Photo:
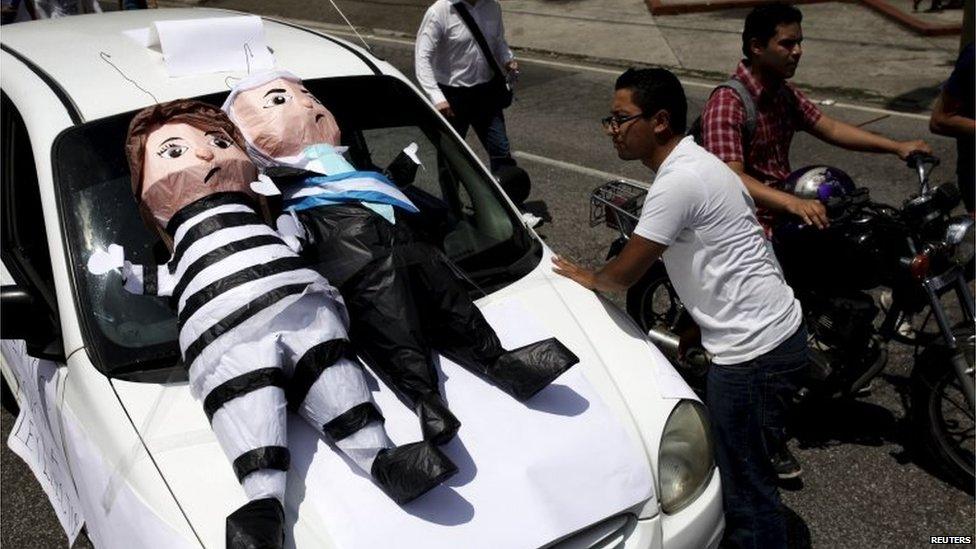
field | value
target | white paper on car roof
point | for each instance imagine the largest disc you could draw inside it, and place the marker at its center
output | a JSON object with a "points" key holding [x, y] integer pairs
{"points": [[211, 45]]}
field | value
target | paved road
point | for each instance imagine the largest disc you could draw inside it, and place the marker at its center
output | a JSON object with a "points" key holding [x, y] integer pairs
{"points": [[861, 486]]}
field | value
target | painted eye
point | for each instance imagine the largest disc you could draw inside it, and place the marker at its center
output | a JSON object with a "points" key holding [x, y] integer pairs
{"points": [[221, 142], [171, 151], [277, 99]]}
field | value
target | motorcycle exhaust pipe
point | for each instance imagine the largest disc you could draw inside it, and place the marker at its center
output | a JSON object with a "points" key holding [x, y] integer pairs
{"points": [[694, 360], [668, 342]]}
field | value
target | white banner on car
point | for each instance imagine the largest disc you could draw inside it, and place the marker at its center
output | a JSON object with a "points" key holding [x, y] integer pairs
{"points": [[528, 473], [201, 46], [36, 435]]}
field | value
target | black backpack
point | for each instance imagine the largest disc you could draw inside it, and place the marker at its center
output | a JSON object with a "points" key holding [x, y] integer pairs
{"points": [[695, 130]]}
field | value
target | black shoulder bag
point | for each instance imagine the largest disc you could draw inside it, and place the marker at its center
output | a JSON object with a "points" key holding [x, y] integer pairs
{"points": [[500, 89]]}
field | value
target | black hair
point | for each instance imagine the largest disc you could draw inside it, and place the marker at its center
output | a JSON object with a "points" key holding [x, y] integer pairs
{"points": [[655, 90], [762, 21]]}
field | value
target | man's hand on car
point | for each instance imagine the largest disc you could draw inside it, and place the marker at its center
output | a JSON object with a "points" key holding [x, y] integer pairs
{"points": [[906, 148], [812, 212], [584, 277], [445, 109]]}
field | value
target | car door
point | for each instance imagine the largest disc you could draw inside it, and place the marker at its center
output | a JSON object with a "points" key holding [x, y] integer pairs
{"points": [[30, 306], [32, 346]]}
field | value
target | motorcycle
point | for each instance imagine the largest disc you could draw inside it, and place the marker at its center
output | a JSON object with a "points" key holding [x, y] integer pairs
{"points": [[914, 255]]}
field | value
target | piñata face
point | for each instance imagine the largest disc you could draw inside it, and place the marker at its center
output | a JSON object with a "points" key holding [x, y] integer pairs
{"points": [[183, 164], [282, 118]]}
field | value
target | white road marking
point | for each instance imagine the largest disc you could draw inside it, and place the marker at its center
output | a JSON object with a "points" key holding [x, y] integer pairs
{"points": [[600, 174], [602, 70]]}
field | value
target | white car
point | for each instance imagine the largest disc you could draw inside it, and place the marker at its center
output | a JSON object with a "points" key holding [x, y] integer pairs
{"points": [[118, 442]]}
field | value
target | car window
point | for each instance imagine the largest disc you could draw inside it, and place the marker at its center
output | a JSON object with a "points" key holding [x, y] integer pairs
{"points": [[25, 250], [134, 336]]}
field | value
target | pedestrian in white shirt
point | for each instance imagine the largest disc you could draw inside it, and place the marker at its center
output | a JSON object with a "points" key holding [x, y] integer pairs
{"points": [[700, 218], [467, 86]]}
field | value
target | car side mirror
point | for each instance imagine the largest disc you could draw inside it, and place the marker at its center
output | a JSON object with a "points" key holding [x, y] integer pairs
{"points": [[22, 316]]}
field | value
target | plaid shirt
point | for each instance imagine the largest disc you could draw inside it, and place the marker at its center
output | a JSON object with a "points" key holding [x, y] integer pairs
{"points": [[778, 117]]}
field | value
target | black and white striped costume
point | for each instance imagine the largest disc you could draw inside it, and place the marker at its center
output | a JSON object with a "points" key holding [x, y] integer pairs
{"points": [[260, 331]]}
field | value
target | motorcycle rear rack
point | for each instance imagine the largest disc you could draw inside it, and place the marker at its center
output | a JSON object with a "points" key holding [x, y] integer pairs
{"points": [[617, 204]]}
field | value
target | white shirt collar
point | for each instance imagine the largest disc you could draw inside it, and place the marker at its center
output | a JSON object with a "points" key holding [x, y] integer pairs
{"points": [[684, 143]]}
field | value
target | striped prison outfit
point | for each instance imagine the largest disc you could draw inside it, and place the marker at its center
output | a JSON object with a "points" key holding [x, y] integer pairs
{"points": [[260, 332]]}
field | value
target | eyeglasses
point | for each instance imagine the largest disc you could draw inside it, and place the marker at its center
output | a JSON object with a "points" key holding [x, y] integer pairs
{"points": [[613, 122]]}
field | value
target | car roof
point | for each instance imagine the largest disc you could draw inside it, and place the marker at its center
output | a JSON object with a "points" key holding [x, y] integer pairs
{"points": [[92, 61]]}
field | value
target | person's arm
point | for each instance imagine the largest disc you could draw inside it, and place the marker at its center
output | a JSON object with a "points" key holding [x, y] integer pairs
{"points": [[947, 119], [676, 201], [429, 36], [619, 273], [136, 279], [812, 212], [502, 52], [853, 138]]}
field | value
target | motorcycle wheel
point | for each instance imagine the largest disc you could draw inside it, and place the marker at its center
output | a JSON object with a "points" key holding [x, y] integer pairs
{"points": [[943, 422], [652, 301]]}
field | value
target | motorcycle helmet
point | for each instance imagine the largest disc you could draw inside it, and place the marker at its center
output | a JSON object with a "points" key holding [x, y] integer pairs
{"points": [[841, 257], [818, 182]]}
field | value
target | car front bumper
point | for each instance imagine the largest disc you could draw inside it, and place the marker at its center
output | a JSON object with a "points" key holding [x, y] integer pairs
{"points": [[699, 525]]}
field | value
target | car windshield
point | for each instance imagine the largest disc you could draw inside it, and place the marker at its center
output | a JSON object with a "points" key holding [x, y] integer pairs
{"points": [[134, 337]]}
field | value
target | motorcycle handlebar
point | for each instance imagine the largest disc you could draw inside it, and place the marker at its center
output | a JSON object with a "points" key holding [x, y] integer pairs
{"points": [[918, 157], [837, 206]]}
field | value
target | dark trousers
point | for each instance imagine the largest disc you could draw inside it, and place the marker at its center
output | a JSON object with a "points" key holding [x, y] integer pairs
{"points": [[475, 107], [748, 402]]}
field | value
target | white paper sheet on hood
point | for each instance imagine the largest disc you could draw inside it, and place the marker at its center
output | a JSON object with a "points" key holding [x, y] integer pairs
{"points": [[199, 46], [129, 520], [36, 435], [669, 381], [528, 473]]}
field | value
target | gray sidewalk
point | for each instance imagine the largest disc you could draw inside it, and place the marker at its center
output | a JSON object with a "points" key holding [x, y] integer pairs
{"points": [[850, 52]]}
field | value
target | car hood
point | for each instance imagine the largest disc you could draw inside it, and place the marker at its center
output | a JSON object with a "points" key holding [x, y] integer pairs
{"points": [[615, 359]]}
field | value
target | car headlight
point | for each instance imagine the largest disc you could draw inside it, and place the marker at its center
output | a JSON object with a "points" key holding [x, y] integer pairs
{"points": [[685, 461], [959, 234]]}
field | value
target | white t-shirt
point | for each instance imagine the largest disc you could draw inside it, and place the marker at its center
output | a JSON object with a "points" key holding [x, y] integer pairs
{"points": [[718, 258]]}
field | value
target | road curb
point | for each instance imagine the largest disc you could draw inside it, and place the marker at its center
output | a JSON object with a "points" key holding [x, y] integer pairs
{"points": [[910, 22], [658, 7], [886, 9]]}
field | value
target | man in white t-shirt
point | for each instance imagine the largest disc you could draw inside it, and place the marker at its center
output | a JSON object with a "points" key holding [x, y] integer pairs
{"points": [[699, 217]]}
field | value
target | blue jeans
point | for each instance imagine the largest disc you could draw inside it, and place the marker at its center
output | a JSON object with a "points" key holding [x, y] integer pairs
{"points": [[748, 402], [473, 108]]}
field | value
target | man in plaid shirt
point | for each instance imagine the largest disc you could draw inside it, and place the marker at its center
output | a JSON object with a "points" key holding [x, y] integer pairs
{"points": [[771, 43]]}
